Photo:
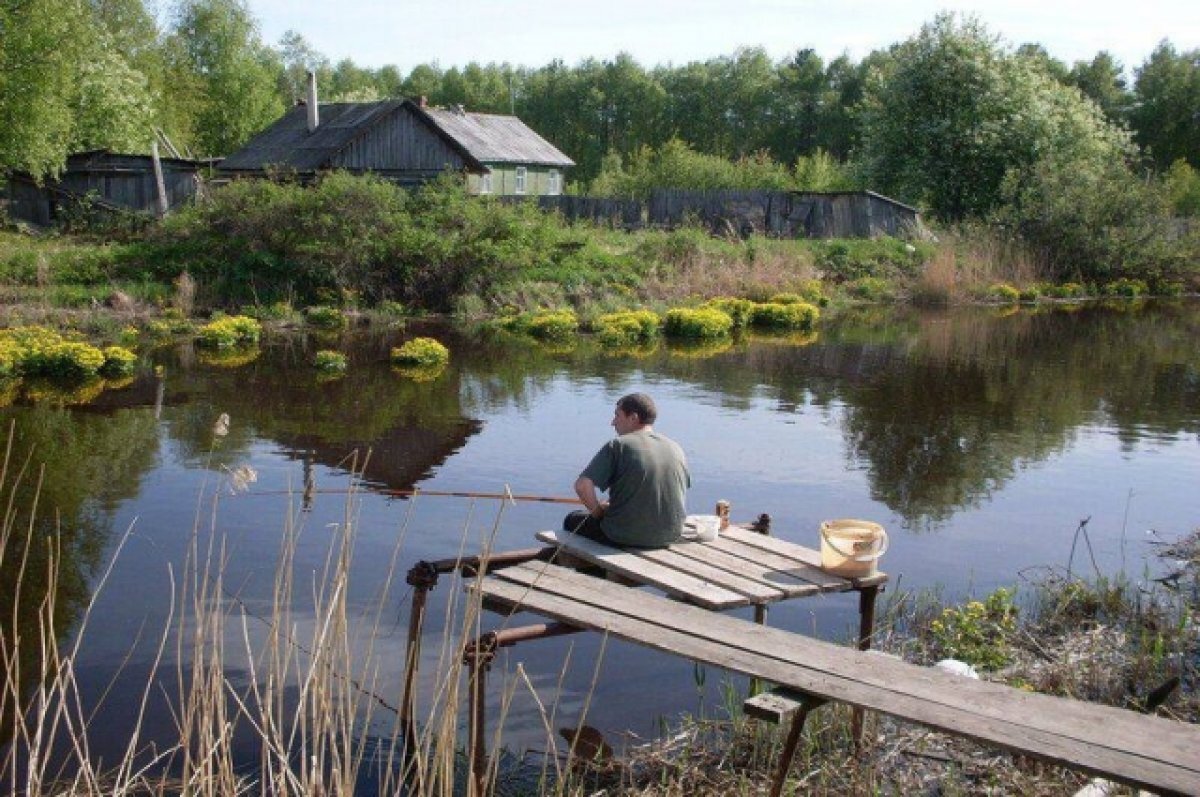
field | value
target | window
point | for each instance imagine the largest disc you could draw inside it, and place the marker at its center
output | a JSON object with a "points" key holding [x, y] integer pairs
{"points": [[485, 183], [519, 188], [555, 187]]}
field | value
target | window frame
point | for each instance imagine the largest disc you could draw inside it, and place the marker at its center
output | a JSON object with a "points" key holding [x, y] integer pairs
{"points": [[522, 177]]}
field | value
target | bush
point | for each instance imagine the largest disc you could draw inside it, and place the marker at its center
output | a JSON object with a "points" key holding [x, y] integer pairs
{"points": [[325, 317], [37, 351], [738, 310], [118, 361], [224, 333], [871, 289], [810, 291], [1125, 288], [330, 361], [697, 324], [1067, 290], [627, 327], [421, 352], [799, 315], [980, 632], [555, 325], [1030, 294], [1004, 293]]}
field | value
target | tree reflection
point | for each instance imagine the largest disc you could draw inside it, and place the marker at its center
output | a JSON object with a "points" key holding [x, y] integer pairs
{"points": [[67, 472]]}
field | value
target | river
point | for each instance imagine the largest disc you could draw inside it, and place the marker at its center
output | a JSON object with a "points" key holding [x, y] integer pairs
{"points": [[980, 438]]}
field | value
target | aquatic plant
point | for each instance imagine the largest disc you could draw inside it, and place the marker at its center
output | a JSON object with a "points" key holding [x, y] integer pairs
{"points": [[738, 310], [697, 323], [330, 361], [798, 315], [1125, 288], [118, 361], [230, 331], [1003, 292], [627, 327], [545, 325], [229, 358], [421, 351], [1067, 290], [324, 317], [1030, 294]]}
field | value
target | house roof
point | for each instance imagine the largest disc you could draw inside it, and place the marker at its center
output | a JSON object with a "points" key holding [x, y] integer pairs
{"points": [[492, 138], [478, 138]]}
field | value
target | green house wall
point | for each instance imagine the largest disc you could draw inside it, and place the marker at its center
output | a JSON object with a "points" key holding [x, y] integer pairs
{"points": [[504, 180]]}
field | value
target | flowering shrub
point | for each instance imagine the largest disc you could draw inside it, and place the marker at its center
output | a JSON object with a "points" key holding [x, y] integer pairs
{"points": [[421, 351], [235, 330], [34, 350], [700, 324], [797, 315], [1126, 288]]}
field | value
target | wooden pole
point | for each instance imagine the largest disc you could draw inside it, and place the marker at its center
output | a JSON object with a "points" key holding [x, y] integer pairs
{"points": [[160, 186]]}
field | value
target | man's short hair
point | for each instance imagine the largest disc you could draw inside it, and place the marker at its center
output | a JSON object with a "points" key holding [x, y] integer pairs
{"points": [[641, 404]]}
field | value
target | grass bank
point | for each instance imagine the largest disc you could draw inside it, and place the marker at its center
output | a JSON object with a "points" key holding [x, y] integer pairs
{"points": [[358, 243]]}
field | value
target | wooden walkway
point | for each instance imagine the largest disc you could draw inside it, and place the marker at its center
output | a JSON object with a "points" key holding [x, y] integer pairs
{"points": [[1142, 751]]}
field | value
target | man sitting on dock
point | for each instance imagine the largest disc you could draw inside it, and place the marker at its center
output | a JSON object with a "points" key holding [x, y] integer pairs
{"points": [[646, 477]]}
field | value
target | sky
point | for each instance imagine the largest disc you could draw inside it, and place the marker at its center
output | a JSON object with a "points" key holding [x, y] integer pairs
{"points": [[533, 33]]}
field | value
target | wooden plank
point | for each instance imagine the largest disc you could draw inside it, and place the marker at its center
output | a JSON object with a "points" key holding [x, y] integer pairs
{"points": [[1162, 741], [631, 565], [930, 685], [757, 590], [794, 551], [788, 585], [782, 565]]}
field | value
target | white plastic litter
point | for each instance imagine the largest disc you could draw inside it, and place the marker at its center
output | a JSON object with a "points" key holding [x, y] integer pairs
{"points": [[956, 667]]}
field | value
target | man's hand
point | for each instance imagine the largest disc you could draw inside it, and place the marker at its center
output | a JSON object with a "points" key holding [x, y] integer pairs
{"points": [[586, 490]]}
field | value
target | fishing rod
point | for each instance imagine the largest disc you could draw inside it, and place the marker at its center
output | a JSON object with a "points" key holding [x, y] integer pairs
{"points": [[546, 499]]}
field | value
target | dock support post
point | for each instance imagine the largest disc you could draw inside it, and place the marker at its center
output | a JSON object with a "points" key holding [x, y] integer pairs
{"points": [[478, 656], [866, 630], [793, 741], [422, 578]]}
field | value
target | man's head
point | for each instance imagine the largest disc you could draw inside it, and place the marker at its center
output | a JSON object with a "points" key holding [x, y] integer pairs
{"points": [[634, 412]]}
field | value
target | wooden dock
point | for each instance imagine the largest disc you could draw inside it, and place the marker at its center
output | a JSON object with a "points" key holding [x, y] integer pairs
{"points": [[1138, 750]]}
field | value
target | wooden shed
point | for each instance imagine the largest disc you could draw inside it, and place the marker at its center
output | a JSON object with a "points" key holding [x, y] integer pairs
{"points": [[406, 142], [108, 180]]}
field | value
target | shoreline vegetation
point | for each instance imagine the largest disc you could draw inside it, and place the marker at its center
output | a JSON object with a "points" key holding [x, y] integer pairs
{"points": [[314, 684]]}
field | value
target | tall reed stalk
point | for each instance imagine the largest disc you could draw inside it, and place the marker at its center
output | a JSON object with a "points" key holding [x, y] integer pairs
{"points": [[311, 690]]}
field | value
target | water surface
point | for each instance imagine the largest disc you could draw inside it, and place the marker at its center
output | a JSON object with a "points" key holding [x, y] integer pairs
{"points": [[979, 438]]}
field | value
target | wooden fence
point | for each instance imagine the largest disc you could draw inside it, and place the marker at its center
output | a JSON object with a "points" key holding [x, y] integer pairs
{"points": [[779, 214]]}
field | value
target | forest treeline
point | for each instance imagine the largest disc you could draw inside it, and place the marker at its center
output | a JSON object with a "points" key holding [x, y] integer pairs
{"points": [[89, 73]]}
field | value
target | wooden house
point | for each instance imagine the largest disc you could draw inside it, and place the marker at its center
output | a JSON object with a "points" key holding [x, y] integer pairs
{"points": [[105, 180], [406, 142]]}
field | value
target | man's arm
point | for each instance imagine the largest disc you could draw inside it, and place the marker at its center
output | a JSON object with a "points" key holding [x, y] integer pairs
{"points": [[585, 488]]}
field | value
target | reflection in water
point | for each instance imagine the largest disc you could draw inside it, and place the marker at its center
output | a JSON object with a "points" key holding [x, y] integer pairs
{"points": [[928, 416]]}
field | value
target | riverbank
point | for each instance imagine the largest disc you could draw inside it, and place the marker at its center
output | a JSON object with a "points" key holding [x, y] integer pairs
{"points": [[360, 243]]}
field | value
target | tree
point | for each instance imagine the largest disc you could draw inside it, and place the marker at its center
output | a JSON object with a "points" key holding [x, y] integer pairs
{"points": [[1102, 80], [952, 120], [66, 83], [1166, 118], [225, 79], [41, 50], [299, 58]]}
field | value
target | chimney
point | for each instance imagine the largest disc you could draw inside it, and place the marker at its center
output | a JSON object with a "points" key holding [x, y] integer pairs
{"points": [[314, 113], [424, 102]]}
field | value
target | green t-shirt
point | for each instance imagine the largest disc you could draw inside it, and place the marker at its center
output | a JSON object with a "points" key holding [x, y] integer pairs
{"points": [[646, 477]]}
